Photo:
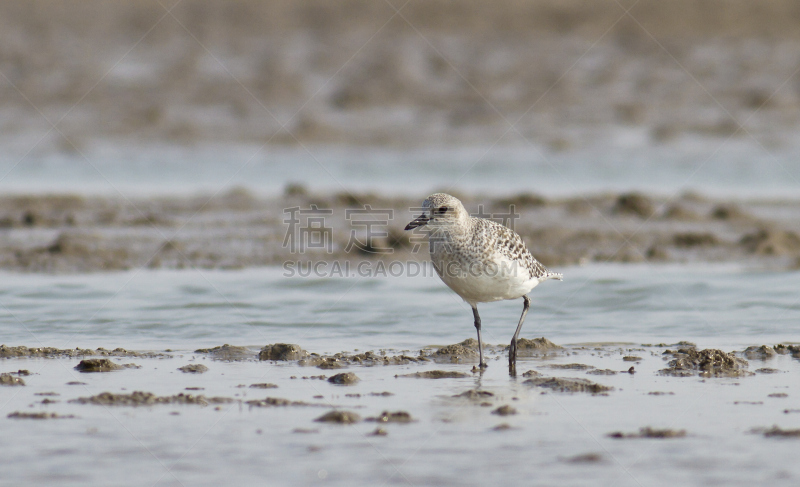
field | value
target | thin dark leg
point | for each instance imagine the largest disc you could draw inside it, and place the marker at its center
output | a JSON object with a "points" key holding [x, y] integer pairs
{"points": [[480, 343], [512, 350]]}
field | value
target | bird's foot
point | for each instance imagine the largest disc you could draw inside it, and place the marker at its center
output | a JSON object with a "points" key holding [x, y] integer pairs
{"points": [[512, 358]]}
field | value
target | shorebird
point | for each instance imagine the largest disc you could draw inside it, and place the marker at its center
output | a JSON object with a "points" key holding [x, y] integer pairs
{"points": [[481, 260]]}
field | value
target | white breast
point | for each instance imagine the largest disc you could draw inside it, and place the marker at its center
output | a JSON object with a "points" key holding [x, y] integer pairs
{"points": [[483, 282]]}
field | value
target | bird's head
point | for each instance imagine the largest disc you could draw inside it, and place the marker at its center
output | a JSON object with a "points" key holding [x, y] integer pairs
{"points": [[440, 210]]}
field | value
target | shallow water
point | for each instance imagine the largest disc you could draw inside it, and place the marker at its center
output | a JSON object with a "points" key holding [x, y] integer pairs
{"points": [[624, 161], [723, 306], [452, 441]]}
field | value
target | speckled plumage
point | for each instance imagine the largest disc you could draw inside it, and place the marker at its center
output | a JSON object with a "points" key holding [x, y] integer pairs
{"points": [[481, 260], [464, 247], [510, 244]]}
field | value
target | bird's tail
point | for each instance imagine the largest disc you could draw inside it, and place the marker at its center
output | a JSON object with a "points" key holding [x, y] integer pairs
{"points": [[553, 275]]}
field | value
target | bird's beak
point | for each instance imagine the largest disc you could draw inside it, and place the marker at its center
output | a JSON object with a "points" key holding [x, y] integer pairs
{"points": [[418, 222]]}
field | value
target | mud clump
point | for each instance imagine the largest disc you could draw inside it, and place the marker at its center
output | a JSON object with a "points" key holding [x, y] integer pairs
{"points": [[121, 352], [771, 242], [531, 373], [138, 398], [561, 384], [705, 363], [468, 349], [526, 347], [339, 417], [505, 410], [344, 379], [193, 369], [263, 385], [436, 374], [634, 204], [325, 363], [368, 359], [759, 353], [729, 212], [45, 352], [473, 344], [396, 417], [227, 352], [457, 350], [7, 379], [602, 372], [680, 345], [585, 458], [680, 212], [571, 366], [775, 431], [689, 240], [522, 200], [278, 402], [475, 394], [282, 352], [52, 352], [270, 401], [97, 365], [41, 415], [649, 432], [782, 349]]}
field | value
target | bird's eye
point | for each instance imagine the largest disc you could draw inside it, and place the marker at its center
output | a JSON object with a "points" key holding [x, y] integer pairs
{"points": [[441, 210]]}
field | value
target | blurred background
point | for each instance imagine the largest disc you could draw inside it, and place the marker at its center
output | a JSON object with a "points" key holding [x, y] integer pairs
{"points": [[177, 132], [550, 96]]}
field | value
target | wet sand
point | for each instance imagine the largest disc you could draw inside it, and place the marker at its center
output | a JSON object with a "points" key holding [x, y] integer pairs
{"points": [[382, 420], [236, 229]]}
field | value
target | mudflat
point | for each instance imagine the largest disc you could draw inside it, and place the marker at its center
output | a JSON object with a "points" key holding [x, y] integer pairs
{"points": [[380, 427], [237, 229]]}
